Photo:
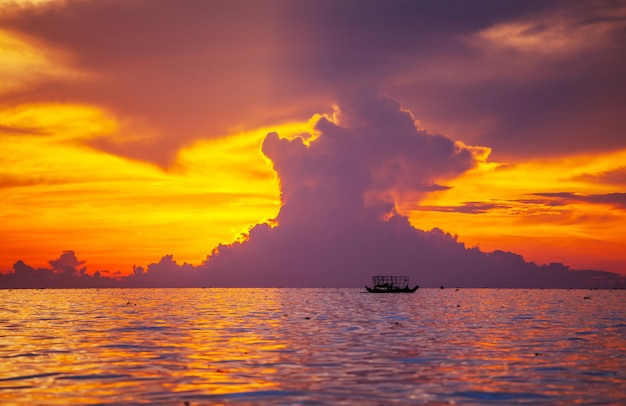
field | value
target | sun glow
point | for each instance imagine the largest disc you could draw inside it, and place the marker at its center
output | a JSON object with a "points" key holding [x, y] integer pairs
{"points": [[25, 65], [59, 194]]}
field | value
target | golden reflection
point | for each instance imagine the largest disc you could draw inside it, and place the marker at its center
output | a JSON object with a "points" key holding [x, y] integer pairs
{"points": [[213, 342], [170, 345]]}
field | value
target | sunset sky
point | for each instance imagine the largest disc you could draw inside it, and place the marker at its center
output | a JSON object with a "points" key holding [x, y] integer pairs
{"points": [[134, 130]]}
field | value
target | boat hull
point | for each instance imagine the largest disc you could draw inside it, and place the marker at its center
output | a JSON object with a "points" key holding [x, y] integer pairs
{"points": [[392, 290]]}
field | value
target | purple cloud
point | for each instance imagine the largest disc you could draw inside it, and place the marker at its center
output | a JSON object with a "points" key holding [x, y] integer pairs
{"points": [[68, 271], [338, 224], [183, 73], [617, 200], [548, 199], [64, 272], [467, 207], [614, 177]]}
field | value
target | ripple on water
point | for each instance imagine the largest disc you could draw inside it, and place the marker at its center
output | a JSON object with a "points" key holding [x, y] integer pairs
{"points": [[329, 346], [96, 377], [487, 397]]}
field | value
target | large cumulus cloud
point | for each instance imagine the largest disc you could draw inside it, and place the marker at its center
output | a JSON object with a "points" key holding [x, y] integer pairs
{"points": [[358, 165], [338, 223]]}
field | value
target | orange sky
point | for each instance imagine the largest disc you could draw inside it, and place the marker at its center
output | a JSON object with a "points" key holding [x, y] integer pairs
{"points": [[81, 170], [504, 214], [117, 212]]}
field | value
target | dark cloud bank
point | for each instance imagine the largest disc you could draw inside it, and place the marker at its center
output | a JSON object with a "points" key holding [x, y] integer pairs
{"points": [[556, 87], [338, 224]]}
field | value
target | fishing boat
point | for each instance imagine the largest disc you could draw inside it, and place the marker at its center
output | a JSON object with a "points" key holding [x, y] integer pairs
{"points": [[390, 284]]}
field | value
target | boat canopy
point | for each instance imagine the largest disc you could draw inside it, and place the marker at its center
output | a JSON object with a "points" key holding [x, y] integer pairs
{"points": [[393, 282]]}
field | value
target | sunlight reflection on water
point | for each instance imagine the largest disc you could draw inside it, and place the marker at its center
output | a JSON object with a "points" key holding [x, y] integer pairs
{"points": [[294, 346]]}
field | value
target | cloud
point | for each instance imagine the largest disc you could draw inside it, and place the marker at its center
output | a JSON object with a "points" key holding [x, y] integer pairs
{"points": [[375, 152], [338, 224], [532, 205], [487, 72], [143, 78], [551, 32], [68, 271], [10, 181], [617, 200], [25, 66], [56, 122], [64, 272], [165, 273], [177, 73], [467, 207], [613, 177], [490, 73], [68, 264]]}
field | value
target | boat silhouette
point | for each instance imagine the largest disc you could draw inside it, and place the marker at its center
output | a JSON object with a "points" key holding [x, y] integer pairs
{"points": [[390, 284]]}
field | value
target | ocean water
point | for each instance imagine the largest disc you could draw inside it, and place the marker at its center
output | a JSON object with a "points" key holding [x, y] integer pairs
{"points": [[312, 346]]}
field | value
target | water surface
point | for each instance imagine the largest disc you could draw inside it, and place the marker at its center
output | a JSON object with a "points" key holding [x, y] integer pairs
{"points": [[312, 346]]}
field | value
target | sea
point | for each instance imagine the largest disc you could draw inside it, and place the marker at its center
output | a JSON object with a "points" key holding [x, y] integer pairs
{"points": [[312, 347]]}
